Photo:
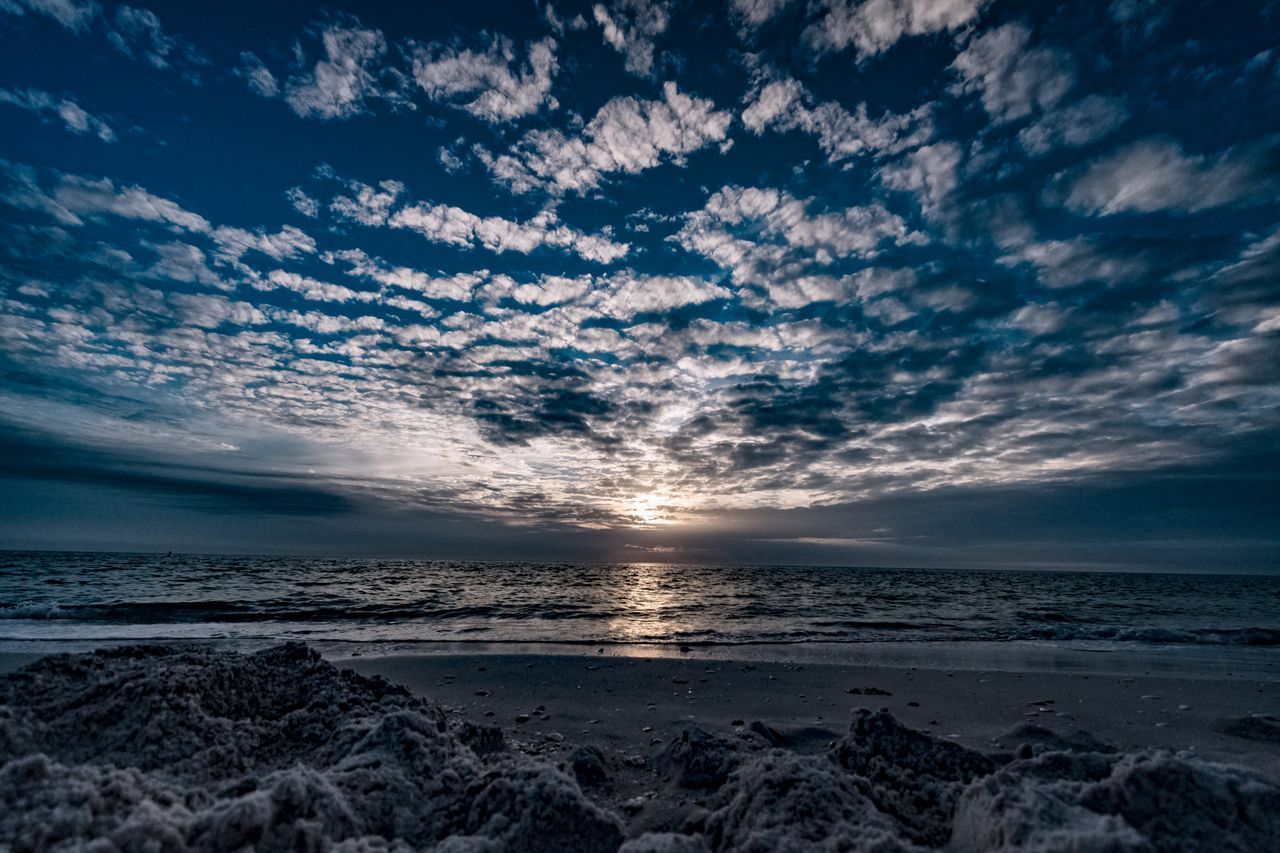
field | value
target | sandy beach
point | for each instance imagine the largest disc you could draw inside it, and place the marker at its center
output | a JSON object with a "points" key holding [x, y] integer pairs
{"points": [[634, 706], [197, 747]]}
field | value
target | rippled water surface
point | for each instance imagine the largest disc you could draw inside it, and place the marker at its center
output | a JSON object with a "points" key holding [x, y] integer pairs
{"points": [[117, 596]]}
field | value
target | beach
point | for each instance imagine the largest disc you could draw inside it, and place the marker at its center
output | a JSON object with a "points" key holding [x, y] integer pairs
{"points": [[635, 705], [236, 703], [689, 750]]}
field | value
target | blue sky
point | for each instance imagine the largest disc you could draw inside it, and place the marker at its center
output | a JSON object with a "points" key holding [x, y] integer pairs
{"points": [[895, 282]]}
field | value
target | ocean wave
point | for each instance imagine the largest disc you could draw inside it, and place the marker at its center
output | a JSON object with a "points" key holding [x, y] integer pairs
{"points": [[33, 610], [1253, 636]]}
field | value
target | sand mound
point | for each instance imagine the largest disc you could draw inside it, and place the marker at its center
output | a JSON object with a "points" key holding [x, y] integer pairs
{"points": [[177, 749], [1142, 801], [181, 749]]}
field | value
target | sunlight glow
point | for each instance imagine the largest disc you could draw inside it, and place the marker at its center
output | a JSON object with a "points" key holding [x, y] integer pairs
{"points": [[652, 508]]}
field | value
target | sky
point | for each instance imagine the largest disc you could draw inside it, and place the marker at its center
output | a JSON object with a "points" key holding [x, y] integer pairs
{"points": [[890, 282]]}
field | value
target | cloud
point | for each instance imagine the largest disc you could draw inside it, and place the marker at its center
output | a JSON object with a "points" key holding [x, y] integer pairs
{"points": [[1155, 174], [1066, 263], [1012, 79], [1259, 262], [72, 115], [326, 324], [867, 285], [370, 205], [630, 26], [627, 294], [443, 223], [138, 34], [303, 203], [930, 172], [350, 74], [561, 26], [259, 78], [783, 105], [873, 26], [488, 84], [1143, 16], [77, 197], [751, 14], [179, 261], [769, 238], [211, 312], [75, 16], [1087, 120], [311, 289], [288, 242], [457, 287], [626, 135]]}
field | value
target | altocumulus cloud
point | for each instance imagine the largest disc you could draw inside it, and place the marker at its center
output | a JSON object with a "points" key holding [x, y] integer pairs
{"points": [[801, 275]]}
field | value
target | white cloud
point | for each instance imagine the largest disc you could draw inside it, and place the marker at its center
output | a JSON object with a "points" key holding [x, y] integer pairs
{"points": [[1087, 120], [310, 288], [1260, 260], [626, 135], [444, 223], [303, 203], [72, 115], [866, 285], [339, 84], [488, 84], [874, 26], [288, 242], [1012, 79], [626, 294], [1066, 263], [458, 287], [260, 79], [1156, 174], [450, 161], [76, 197], [752, 13], [784, 105], [326, 324], [766, 235], [630, 26], [206, 311], [178, 261], [73, 15], [930, 172], [370, 205], [551, 290], [561, 26], [138, 34]]}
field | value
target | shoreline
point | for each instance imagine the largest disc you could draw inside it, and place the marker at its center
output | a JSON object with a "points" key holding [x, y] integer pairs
{"points": [[1175, 698], [1202, 661]]}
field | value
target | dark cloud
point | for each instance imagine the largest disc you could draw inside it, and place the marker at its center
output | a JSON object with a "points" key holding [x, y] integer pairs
{"points": [[30, 456]]}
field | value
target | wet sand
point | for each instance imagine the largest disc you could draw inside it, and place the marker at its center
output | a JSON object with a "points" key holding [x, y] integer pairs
{"points": [[633, 706]]}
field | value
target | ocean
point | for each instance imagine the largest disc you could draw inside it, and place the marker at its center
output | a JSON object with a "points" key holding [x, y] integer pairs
{"points": [[76, 596]]}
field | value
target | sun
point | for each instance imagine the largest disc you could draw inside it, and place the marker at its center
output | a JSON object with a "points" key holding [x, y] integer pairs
{"points": [[650, 508]]}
